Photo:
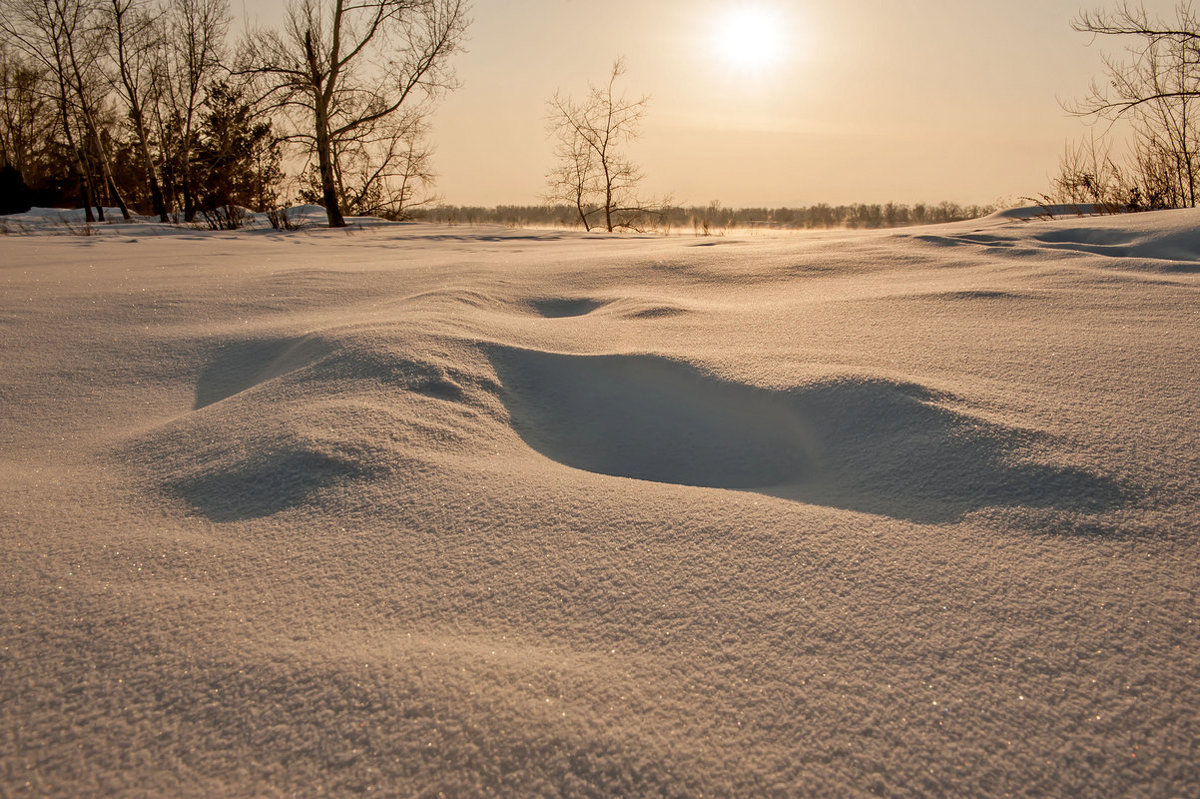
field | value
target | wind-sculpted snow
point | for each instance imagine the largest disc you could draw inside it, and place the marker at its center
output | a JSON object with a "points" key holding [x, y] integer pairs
{"points": [[651, 419], [1166, 245], [278, 477], [624, 307], [555, 308], [409, 510], [868, 445], [239, 365]]}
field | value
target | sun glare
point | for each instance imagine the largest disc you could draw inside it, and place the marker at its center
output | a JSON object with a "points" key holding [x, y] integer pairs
{"points": [[750, 37]]}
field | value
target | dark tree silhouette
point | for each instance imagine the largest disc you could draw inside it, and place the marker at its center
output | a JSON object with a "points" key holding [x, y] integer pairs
{"points": [[1156, 87], [592, 173], [355, 73], [236, 159]]}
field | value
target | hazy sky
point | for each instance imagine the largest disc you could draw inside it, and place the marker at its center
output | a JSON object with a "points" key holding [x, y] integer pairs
{"points": [[837, 101]]}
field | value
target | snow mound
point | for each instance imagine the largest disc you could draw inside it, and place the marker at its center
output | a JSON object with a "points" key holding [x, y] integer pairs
{"points": [[282, 423], [1168, 241], [863, 444], [1047, 211], [240, 365], [1173, 245]]}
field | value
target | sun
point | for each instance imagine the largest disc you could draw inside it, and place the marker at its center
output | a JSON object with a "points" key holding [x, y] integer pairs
{"points": [[750, 37]]}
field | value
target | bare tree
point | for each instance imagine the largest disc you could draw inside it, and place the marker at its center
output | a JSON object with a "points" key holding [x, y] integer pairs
{"points": [[592, 173], [1088, 174], [1156, 87], [574, 181], [28, 119], [49, 31], [134, 46], [409, 181], [195, 33], [387, 174], [84, 43], [355, 73]]}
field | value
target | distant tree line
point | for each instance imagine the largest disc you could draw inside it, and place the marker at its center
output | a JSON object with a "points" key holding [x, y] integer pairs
{"points": [[144, 105], [714, 217], [1151, 92]]}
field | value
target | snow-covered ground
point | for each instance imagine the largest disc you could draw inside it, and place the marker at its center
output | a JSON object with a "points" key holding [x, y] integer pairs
{"points": [[412, 509]]}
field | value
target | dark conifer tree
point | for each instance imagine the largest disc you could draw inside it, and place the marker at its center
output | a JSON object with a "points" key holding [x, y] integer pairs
{"points": [[236, 159]]}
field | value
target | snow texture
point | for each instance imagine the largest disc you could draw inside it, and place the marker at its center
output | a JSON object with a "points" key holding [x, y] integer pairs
{"points": [[472, 511]]}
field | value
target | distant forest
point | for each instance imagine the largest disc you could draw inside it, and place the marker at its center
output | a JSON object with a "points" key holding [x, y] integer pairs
{"points": [[714, 218]]}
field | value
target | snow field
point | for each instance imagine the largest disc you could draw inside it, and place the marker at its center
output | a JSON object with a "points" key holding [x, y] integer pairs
{"points": [[478, 511]]}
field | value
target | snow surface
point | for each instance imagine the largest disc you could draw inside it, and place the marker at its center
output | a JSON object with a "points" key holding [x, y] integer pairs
{"points": [[475, 511]]}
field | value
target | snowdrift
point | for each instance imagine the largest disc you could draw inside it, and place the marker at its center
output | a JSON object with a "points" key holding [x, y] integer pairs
{"points": [[474, 511]]}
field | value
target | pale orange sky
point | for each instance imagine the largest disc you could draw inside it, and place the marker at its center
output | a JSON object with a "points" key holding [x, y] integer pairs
{"points": [[867, 101]]}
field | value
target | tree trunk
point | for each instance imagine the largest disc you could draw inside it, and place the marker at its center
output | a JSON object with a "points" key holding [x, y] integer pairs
{"points": [[85, 185], [90, 199], [139, 123], [325, 165], [587, 228], [185, 167], [89, 170], [322, 89], [114, 191], [93, 131], [85, 180], [189, 199], [135, 109], [105, 170], [156, 193], [608, 200]]}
